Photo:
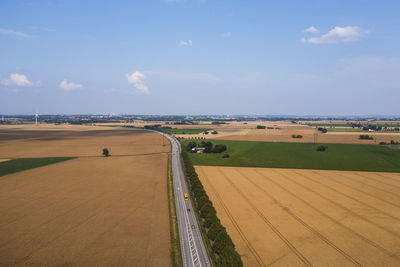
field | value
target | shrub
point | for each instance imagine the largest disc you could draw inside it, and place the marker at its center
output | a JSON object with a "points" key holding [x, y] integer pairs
{"points": [[106, 153], [297, 136], [382, 143], [261, 127], [219, 148], [225, 156], [323, 130], [322, 148], [366, 137]]}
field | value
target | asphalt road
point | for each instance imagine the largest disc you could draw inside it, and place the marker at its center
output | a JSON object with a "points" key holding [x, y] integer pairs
{"points": [[193, 250]]}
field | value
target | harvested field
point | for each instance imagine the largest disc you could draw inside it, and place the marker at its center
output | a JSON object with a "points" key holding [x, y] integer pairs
{"points": [[290, 217], [309, 136], [90, 211], [63, 141]]}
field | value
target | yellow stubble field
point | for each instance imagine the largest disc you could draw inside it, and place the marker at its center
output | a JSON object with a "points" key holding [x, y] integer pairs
{"points": [[89, 211], [287, 217]]}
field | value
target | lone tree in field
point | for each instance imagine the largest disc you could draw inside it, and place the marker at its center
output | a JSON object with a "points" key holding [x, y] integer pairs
{"points": [[106, 153]]}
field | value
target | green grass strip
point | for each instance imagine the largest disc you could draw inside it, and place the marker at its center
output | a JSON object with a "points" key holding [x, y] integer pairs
{"points": [[17, 165]]}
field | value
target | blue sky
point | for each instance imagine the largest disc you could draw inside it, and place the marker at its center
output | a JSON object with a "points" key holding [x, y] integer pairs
{"points": [[200, 57]]}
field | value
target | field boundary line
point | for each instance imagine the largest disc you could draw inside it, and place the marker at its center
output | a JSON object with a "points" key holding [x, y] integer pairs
{"points": [[237, 227], [372, 243], [357, 200], [271, 226], [343, 207], [316, 232]]}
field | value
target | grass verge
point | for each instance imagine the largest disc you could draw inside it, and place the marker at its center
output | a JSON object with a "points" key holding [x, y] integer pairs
{"points": [[175, 250], [17, 165], [351, 157]]}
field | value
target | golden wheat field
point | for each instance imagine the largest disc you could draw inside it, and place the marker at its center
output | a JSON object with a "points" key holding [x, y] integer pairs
{"points": [[288, 217], [89, 211]]}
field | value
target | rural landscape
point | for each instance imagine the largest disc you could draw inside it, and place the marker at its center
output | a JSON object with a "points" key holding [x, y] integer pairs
{"points": [[279, 201], [199, 133]]}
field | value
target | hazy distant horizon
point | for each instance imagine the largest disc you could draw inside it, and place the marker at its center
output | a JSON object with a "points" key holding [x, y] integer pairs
{"points": [[224, 116]]}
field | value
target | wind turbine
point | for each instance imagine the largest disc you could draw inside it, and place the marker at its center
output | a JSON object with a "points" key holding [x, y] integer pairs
{"points": [[36, 118]]}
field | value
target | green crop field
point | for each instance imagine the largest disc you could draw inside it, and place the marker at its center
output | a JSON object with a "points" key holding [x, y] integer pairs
{"points": [[17, 165], [303, 156], [181, 131]]}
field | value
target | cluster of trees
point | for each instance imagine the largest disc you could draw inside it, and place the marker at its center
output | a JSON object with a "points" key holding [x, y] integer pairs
{"points": [[372, 127], [366, 137], [213, 132], [261, 127], [220, 242], [392, 142], [297, 136], [208, 147], [322, 130]]}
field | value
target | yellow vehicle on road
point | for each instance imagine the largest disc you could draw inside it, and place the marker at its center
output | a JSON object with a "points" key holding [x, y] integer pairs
{"points": [[186, 196]]}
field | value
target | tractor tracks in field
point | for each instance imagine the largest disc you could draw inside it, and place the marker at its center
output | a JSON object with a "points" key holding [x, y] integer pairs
{"points": [[366, 193], [363, 238], [233, 221], [270, 225], [341, 206], [352, 198], [379, 181], [298, 219]]}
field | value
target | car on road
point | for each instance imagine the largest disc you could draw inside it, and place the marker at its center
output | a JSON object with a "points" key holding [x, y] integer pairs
{"points": [[193, 226]]}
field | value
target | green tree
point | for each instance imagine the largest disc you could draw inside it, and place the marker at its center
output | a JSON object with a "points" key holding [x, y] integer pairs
{"points": [[106, 153]]}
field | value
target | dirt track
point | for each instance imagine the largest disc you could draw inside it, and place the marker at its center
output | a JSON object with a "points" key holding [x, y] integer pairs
{"points": [[307, 217], [90, 211]]}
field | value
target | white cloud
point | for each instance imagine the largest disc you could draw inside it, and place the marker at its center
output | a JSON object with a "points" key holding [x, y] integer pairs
{"points": [[337, 35], [19, 35], [69, 86], [226, 34], [136, 78], [18, 80], [185, 43], [311, 29]]}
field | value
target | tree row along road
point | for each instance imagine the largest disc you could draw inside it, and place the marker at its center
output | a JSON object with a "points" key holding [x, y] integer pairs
{"points": [[193, 250]]}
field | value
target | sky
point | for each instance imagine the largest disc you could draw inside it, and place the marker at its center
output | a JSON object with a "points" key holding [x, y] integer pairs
{"points": [[200, 57]]}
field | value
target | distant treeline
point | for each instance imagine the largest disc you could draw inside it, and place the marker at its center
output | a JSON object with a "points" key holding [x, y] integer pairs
{"points": [[223, 249]]}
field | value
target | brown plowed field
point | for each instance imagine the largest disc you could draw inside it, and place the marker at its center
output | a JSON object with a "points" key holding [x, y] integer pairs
{"points": [[287, 217], [90, 211]]}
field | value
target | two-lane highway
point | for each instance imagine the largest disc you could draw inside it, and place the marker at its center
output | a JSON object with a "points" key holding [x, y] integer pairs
{"points": [[193, 250]]}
